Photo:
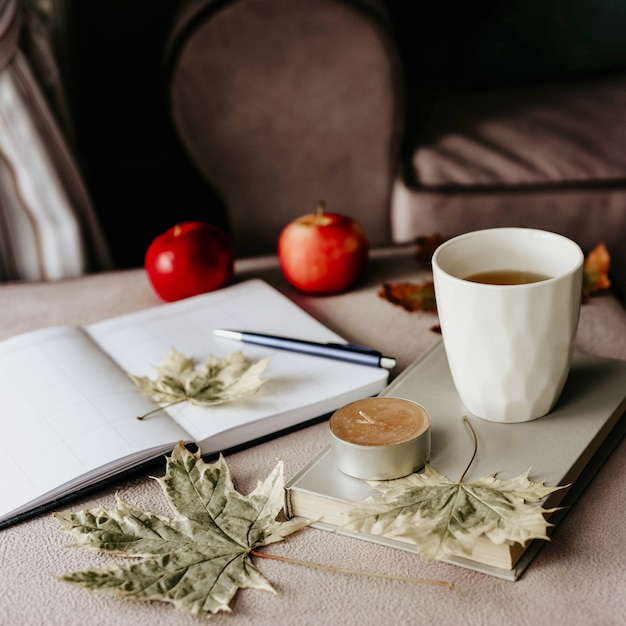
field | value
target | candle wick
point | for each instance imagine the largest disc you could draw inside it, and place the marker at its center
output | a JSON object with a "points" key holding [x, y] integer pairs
{"points": [[366, 418]]}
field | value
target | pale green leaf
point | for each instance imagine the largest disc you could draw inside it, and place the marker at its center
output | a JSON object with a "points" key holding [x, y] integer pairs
{"points": [[442, 518], [217, 381], [198, 559]]}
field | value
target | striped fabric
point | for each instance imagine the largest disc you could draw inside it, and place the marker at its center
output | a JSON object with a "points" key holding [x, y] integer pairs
{"points": [[48, 228]]}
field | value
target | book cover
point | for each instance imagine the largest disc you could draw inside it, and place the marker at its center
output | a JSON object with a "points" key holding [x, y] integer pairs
{"points": [[69, 416], [564, 447]]}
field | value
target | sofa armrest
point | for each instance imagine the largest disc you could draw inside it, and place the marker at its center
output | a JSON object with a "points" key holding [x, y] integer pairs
{"points": [[282, 104]]}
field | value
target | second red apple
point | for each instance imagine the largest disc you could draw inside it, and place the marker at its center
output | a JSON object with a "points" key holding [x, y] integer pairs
{"points": [[323, 253]]}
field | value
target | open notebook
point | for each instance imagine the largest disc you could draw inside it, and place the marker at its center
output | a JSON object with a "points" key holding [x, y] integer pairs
{"points": [[69, 409]]}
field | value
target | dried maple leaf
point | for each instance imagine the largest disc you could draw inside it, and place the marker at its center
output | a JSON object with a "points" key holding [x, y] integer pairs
{"points": [[596, 271], [198, 559], [216, 382], [442, 518], [410, 296]]}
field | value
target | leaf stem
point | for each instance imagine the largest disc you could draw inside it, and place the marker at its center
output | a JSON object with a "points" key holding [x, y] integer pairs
{"points": [[161, 408], [342, 570], [471, 428]]}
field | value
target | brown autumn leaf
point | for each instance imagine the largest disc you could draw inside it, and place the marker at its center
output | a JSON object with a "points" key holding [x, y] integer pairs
{"points": [[410, 296], [596, 271]]}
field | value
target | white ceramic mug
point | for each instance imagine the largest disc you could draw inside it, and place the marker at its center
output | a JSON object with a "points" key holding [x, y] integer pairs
{"points": [[509, 346]]}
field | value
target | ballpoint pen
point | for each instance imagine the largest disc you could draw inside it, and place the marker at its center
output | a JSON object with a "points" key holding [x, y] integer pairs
{"points": [[340, 351]]}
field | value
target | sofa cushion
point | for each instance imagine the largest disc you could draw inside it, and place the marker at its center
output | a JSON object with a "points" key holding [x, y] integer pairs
{"points": [[549, 135]]}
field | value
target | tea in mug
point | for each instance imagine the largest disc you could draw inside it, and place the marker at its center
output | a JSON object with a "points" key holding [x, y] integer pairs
{"points": [[506, 277]]}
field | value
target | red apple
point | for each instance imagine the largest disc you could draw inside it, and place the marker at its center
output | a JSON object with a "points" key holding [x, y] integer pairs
{"points": [[323, 253], [188, 259]]}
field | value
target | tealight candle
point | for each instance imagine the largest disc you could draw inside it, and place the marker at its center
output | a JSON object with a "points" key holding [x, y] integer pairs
{"points": [[380, 438]]}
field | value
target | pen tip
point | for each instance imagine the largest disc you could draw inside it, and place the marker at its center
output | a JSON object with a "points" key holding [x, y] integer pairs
{"points": [[228, 334], [387, 362]]}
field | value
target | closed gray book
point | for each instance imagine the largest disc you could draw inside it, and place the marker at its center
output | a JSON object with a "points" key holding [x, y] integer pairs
{"points": [[565, 447]]}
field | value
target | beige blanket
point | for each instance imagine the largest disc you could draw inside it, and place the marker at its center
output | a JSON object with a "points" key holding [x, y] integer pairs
{"points": [[577, 579]]}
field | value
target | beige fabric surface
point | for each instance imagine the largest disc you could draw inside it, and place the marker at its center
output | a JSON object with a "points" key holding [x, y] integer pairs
{"points": [[577, 579]]}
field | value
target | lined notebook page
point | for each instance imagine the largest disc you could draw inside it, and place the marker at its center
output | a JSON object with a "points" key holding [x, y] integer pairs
{"points": [[67, 410]]}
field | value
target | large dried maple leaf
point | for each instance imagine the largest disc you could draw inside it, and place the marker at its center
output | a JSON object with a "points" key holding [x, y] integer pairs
{"points": [[198, 559], [442, 518]]}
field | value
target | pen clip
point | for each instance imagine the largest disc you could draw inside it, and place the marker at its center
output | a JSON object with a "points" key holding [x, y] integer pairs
{"points": [[351, 347]]}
